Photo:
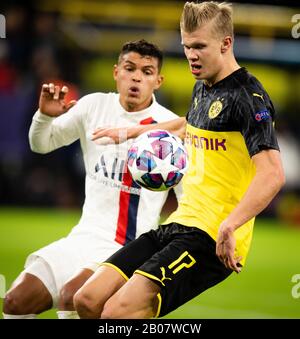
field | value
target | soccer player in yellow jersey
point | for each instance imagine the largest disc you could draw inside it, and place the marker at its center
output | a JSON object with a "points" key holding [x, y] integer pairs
{"points": [[235, 171]]}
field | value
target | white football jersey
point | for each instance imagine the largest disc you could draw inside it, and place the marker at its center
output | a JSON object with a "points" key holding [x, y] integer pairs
{"points": [[114, 205]]}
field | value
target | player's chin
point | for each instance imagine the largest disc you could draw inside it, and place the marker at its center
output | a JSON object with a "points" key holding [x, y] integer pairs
{"points": [[134, 102], [198, 76], [134, 98]]}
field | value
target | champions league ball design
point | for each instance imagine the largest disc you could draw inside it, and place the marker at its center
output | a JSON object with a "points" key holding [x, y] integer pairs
{"points": [[157, 160]]}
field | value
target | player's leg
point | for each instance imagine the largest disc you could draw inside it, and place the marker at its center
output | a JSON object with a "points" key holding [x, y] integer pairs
{"points": [[113, 274], [66, 305], [137, 299], [31, 293], [184, 267], [95, 248], [91, 297]]}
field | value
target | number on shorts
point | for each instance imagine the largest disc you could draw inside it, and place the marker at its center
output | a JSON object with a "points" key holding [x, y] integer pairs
{"points": [[183, 260]]}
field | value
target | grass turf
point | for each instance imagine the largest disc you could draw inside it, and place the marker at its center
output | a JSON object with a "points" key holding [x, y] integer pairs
{"points": [[262, 290]]}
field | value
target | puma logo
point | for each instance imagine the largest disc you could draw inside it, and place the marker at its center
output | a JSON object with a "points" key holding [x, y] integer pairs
{"points": [[259, 95], [163, 272]]}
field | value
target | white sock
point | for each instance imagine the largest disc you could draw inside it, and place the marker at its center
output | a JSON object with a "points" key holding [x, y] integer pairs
{"points": [[19, 316], [67, 315]]}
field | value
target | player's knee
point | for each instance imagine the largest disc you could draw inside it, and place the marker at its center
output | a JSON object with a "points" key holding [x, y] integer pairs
{"points": [[85, 305], [66, 296], [117, 308], [14, 304]]}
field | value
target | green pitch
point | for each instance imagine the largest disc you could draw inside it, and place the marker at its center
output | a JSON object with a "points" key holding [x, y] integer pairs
{"points": [[262, 290]]}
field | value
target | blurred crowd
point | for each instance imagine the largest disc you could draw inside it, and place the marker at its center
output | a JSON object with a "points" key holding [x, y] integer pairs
{"points": [[35, 52]]}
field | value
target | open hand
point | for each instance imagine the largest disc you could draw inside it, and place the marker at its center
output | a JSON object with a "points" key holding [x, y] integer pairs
{"points": [[52, 101], [226, 246]]}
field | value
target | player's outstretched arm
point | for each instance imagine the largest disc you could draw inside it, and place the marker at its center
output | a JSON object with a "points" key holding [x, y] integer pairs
{"points": [[52, 100], [117, 135], [46, 133], [267, 182]]}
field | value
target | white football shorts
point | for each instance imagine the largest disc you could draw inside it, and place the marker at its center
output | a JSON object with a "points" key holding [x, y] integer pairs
{"points": [[64, 258]]}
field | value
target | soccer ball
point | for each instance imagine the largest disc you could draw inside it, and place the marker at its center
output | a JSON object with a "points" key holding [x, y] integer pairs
{"points": [[157, 160]]}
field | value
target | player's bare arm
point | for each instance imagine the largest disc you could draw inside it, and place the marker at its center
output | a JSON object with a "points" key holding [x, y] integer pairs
{"points": [[117, 135], [267, 182], [52, 100]]}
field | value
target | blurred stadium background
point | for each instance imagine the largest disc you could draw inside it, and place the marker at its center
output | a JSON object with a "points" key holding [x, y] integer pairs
{"points": [[77, 42]]}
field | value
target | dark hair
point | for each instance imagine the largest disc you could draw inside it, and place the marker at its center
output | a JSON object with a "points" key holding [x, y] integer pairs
{"points": [[143, 48]]}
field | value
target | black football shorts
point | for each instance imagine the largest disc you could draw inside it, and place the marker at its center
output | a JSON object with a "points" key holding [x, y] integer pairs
{"points": [[180, 259]]}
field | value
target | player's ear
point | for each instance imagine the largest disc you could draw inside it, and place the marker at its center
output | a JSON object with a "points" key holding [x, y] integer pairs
{"points": [[159, 81], [115, 72], [226, 44]]}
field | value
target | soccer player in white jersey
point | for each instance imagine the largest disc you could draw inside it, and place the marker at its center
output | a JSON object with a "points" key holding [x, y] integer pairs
{"points": [[115, 210]]}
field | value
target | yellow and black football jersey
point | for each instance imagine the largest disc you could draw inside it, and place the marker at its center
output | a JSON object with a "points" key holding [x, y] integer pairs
{"points": [[227, 124]]}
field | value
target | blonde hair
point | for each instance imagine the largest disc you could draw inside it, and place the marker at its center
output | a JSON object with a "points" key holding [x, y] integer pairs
{"points": [[194, 15]]}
